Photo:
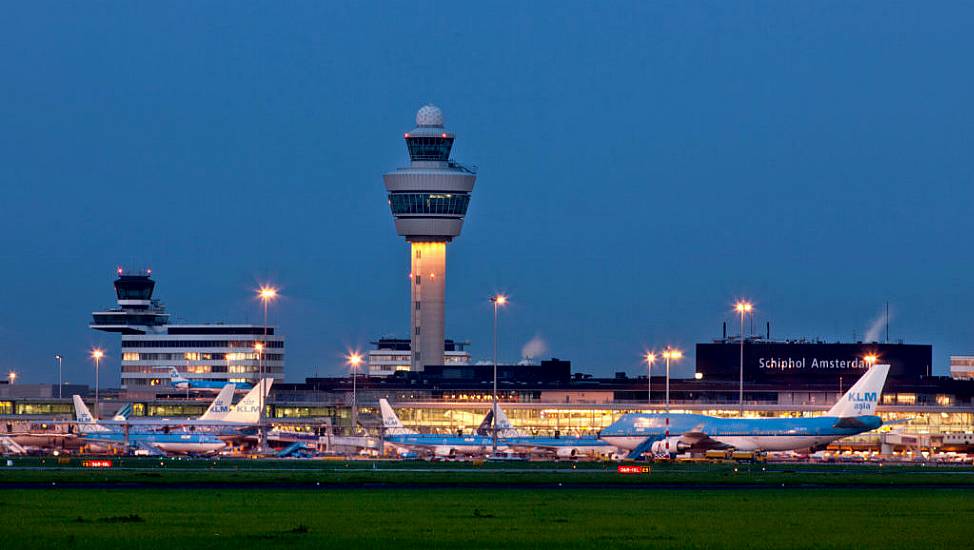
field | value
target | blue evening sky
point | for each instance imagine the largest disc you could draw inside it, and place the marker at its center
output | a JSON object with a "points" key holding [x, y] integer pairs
{"points": [[641, 166]]}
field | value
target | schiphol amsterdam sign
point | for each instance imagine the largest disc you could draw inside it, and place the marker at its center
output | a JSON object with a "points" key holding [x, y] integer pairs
{"points": [[790, 363]]}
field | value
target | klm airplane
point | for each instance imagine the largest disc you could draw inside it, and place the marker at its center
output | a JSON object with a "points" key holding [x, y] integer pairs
{"points": [[221, 417], [670, 434], [180, 382], [100, 436], [405, 440]]}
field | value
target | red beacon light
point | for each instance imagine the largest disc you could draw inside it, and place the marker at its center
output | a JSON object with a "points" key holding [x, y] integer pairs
{"points": [[406, 135]]}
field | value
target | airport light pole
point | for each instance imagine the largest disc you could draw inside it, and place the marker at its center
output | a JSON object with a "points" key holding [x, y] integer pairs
{"points": [[259, 349], [498, 300], [674, 355], [97, 354], [650, 359], [266, 294], [60, 385], [669, 354], [354, 361], [742, 308]]}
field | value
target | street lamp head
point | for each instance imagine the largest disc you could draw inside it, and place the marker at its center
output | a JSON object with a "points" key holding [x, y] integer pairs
{"points": [[354, 360], [870, 359], [698, 375], [650, 357], [97, 354], [12, 376], [743, 307], [673, 354], [499, 299], [258, 346], [267, 293], [58, 356]]}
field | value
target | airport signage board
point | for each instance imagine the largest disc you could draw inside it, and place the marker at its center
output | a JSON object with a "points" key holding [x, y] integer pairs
{"points": [[96, 463], [632, 469], [808, 362]]}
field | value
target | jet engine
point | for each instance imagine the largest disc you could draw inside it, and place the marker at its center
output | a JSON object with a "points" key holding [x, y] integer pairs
{"points": [[675, 446]]}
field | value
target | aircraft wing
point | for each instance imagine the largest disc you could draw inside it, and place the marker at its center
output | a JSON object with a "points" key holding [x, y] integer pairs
{"points": [[698, 439]]}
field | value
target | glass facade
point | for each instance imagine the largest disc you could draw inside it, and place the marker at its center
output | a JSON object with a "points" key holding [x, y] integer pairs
{"points": [[454, 204], [435, 148]]}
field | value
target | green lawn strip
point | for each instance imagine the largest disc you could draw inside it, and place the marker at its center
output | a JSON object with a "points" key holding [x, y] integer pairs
{"points": [[410, 518]]}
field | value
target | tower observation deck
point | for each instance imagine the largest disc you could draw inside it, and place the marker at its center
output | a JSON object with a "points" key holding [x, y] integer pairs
{"points": [[429, 200]]}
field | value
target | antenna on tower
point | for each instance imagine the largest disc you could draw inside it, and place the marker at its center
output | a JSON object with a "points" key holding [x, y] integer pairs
{"points": [[887, 321]]}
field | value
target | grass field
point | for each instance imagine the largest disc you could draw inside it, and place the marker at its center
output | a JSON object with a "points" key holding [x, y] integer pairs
{"points": [[171, 503], [510, 518]]}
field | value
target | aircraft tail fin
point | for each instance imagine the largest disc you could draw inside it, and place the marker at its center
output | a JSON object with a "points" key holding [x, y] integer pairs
{"points": [[247, 411], [123, 413], [863, 396], [220, 407], [86, 422], [484, 428], [391, 422], [504, 426], [175, 378]]}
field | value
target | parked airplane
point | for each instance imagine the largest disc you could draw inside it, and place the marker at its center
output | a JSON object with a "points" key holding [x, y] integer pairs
{"points": [[100, 436], [561, 447], [221, 411], [670, 434], [179, 381], [404, 439]]}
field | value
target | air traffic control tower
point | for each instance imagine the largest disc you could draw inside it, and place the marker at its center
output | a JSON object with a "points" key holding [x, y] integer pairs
{"points": [[429, 200]]}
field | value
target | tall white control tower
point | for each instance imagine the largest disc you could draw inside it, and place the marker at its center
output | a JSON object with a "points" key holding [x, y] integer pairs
{"points": [[429, 200]]}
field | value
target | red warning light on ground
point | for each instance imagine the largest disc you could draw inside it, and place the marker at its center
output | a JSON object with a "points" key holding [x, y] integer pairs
{"points": [[97, 463], [631, 469]]}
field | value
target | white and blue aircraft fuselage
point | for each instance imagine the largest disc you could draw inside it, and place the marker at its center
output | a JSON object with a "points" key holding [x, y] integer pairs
{"points": [[406, 440], [100, 436], [180, 382], [674, 433]]}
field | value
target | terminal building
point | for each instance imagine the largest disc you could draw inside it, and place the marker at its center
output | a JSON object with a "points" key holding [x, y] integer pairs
{"points": [[152, 346], [392, 355], [548, 398]]}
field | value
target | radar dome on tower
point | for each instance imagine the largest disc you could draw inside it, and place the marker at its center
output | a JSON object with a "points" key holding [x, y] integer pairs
{"points": [[429, 115]]}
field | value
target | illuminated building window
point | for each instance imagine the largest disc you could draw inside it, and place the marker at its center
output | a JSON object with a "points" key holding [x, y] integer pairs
{"points": [[944, 400], [191, 356], [198, 369], [906, 399], [130, 356]]}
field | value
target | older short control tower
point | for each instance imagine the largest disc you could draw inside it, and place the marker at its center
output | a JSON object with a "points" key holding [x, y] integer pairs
{"points": [[429, 201]]}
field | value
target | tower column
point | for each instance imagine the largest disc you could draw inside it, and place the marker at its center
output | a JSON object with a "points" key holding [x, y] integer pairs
{"points": [[428, 290]]}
